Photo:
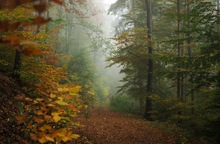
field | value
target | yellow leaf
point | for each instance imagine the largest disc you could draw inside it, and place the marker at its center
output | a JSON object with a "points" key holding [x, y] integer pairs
{"points": [[39, 99], [60, 102], [75, 89], [65, 139], [50, 105], [56, 113], [60, 98], [60, 89], [49, 139], [42, 140], [75, 136], [60, 134], [52, 95], [56, 116]]}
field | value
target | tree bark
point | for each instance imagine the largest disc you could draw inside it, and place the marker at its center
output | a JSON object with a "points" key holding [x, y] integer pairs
{"points": [[150, 63], [179, 51], [189, 51], [17, 65]]}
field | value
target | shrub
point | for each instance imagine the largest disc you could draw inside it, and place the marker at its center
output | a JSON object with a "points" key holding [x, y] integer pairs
{"points": [[124, 104]]}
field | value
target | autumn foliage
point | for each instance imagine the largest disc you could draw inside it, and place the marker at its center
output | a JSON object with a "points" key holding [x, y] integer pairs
{"points": [[48, 110]]}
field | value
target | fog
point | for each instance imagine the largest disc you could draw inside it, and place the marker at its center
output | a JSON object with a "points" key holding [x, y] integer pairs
{"points": [[90, 32], [106, 21]]}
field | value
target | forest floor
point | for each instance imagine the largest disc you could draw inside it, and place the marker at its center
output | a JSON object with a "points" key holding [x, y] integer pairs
{"points": [[101, 126], [9, 132], [104, 126]]}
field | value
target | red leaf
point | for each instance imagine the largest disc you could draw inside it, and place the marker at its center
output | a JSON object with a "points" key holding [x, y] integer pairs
{"points": [[11, 38], [60, 2], [40, 7], [40, 20]]}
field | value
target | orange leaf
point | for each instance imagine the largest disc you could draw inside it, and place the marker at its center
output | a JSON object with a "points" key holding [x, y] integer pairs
{"points": [[68, 97], [38, 120], [20, 119], [11, 38], [29, 43], [29, 126], [72, 107], [20, 97], [39, 112], [34, 137], [28, 100], [66, 90], [45, 127], [31, 51], [47, 117]]}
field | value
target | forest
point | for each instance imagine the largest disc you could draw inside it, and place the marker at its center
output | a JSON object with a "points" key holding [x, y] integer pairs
{"points": [[109, 71]]}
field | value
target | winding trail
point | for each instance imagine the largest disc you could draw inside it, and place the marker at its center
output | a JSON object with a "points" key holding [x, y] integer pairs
{"points": [[106, 127]]}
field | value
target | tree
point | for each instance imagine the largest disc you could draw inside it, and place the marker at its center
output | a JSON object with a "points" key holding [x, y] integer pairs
{"points": [[48, 108], [150, 62]]}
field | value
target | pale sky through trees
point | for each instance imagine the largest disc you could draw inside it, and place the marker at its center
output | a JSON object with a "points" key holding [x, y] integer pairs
{"points": [[109, 1]]}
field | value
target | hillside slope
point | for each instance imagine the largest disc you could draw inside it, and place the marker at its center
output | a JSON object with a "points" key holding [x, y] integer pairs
{"points": [[9, 132]]}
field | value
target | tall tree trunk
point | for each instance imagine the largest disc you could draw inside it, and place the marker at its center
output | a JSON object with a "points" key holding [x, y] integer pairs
{"points": [[189, 50], [218, 15], [179, 51], [218, 7], [150, 62]]}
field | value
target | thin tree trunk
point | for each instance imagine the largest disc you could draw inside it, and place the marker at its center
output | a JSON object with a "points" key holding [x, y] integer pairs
{"points": [[150, 63], [17, 65]]}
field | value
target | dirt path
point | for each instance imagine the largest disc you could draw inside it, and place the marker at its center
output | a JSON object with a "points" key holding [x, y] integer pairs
{"points": [[107, 127]]}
